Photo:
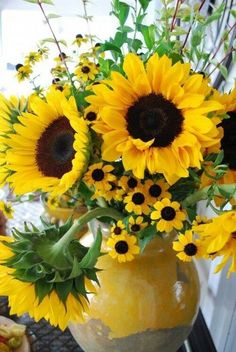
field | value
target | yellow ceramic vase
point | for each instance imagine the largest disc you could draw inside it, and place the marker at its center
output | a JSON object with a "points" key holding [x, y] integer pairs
{"points": [[147, 305]]}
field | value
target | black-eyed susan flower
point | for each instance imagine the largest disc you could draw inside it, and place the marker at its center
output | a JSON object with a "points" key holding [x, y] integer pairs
{"points": [[123, 247], [86, 70], [90, 114], [79, 40], [32, 58], [99, 175], [188, 247], [148, 120], [7, 209], [129, 183], [137, 223], [114, 193], [137, 201], [118, 229], [49, 147], [200, 220], [23, 72], [168, 215], [157, 190]]}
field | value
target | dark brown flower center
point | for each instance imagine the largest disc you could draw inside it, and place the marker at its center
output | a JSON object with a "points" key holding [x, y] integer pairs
{"points": [[91, 116], [168, 213], [155, 191], [132, 183], [138, 198], [117, 230], [85, 69], [154, 117], [98, 175], [121, 247], [234, 235], [190, 249], [54, 151], [135, 228], [228, 142]]}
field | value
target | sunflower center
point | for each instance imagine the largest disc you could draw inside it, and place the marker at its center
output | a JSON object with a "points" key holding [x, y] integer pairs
{"points": [[155, 191], [85, 69], [91, 116], [228, 142], [138, 198], [54, 151], [98, 175], [168, 213], [190, 249], [135, 228], [121, 247], [132, 183], [234, 235], [154, 117], [117, 230]]}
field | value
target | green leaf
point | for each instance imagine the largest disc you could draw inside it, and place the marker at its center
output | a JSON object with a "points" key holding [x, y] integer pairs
{"points": [[148, 33], [90, 259], [219, 158], [52, 40], [146, 235], [224, 71], [48, 2], [120, 39], [53, 15], [123, 12], [80, 286], [63, 289], [42, 289], [32, 1], [144, 4], [76, 271], [109, 46], [216, 14]]}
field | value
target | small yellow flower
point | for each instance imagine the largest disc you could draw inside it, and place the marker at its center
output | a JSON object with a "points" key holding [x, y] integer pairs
{"points": [[137, 201], [136, 224], [23, 72], [129, 183], [157, 190], [188, 247], [7, 209], [86, 71], [79, 40], [99, 176], [123, 248], [118, 229], [168, 214], [91, 114], [32, 58], [200, 220]]}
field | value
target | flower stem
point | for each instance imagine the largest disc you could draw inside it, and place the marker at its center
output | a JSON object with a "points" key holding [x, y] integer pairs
{"points": [[84, 219], [203, 194]]}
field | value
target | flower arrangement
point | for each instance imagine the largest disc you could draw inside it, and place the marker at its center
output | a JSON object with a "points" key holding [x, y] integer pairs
{"points": [[134, 130]]}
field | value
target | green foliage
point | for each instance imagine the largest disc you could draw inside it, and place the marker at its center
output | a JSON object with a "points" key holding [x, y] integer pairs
{"points": [[146, 235]]}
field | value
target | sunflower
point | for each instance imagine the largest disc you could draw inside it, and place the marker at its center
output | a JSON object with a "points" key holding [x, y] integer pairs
{"points": [[156, 118], [157, 190], [23, 72], [86, 71], [129, 183], [168, 215], [118, 229], [123, 247], [136, 224], [7, 209], [220, 236], [50, 146], [137, 201], [188, 247], [99, 176]]}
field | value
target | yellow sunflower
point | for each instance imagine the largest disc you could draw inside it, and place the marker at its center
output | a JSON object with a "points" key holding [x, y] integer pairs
{"points": [[156, 118], [99, 176], [136, 224], [188, 247], [137, 201], [86, 70], [168, 215], [157, 190], [123, 247], [50, 146], [220, 237]]}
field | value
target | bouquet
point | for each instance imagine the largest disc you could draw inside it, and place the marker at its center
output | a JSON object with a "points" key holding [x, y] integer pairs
{"points": [[132, 128]]}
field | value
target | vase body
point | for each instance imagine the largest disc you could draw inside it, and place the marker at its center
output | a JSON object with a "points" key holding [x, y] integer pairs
{"points": [[147, 305]]}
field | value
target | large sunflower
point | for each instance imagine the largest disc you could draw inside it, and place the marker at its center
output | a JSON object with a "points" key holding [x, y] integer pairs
{"points": [[49, 147], [156, 118]]}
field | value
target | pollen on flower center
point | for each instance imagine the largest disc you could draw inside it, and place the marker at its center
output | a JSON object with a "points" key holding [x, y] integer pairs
{"points": [[190, 249], [85, 69], [154, 117], [168, 213], [121, 247], [155, 190], [228, 142], [55, 152], [98, 175], [138, 198]]}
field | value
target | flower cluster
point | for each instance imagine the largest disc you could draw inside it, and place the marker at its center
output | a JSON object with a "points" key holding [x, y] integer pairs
{"points": [[134, 130]]}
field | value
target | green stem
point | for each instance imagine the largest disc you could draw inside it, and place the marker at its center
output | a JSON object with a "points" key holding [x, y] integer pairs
{"points": [[62, 244], [203, 194]]}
